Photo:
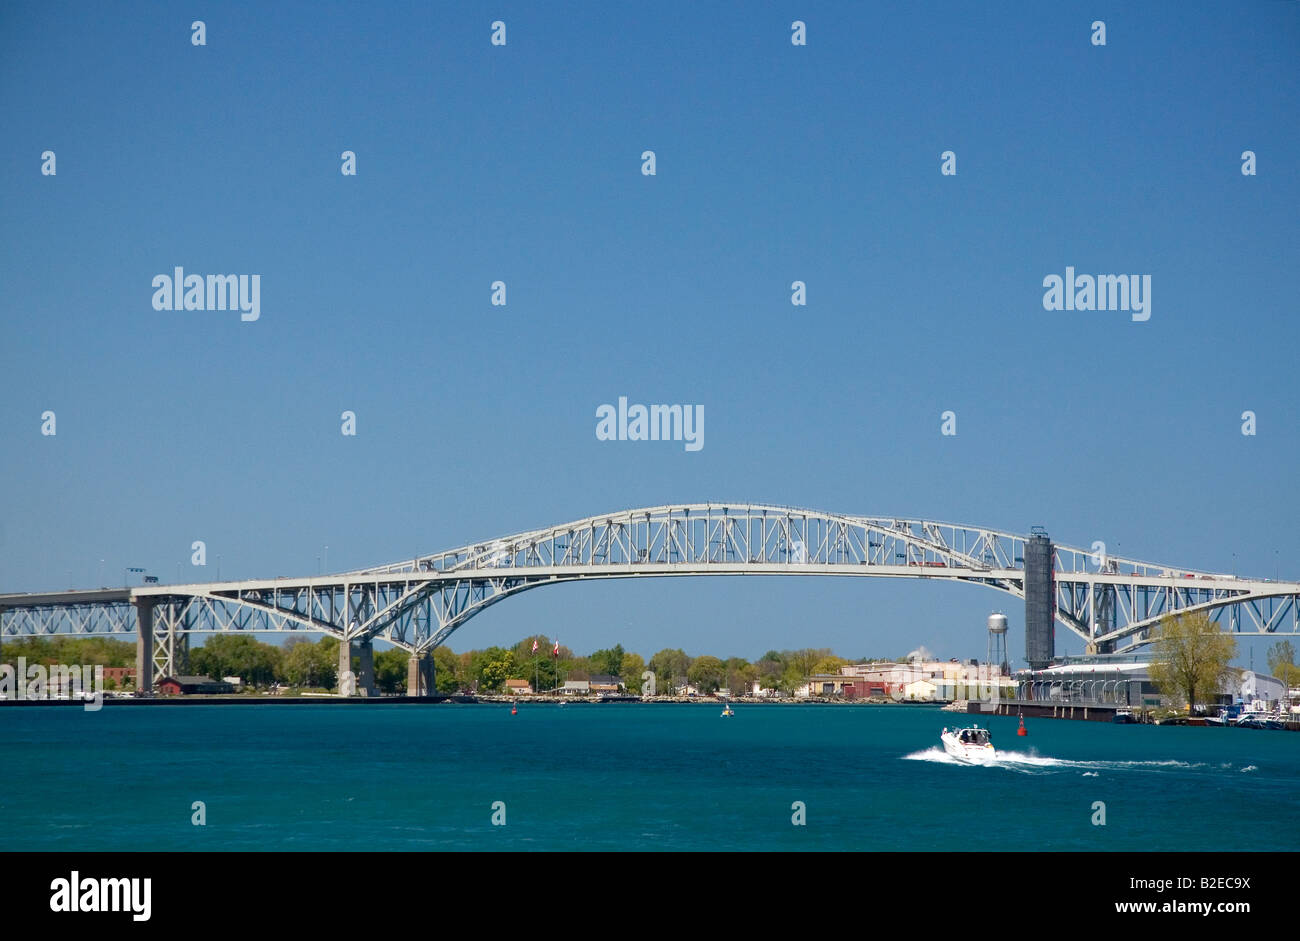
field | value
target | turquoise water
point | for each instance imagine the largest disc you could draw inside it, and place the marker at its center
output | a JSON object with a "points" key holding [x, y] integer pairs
{"points": [[634, 776]]}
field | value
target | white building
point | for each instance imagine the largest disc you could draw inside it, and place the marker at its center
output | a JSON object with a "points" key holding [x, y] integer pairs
{"points": [[1260, 686], [920, 690]]}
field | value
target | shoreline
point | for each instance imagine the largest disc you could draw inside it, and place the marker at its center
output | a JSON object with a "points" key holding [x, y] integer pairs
{"points": [[201, 700]]}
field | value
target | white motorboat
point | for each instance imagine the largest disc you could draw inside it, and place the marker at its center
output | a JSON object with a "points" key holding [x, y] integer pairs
{"points": [[973, 744]]}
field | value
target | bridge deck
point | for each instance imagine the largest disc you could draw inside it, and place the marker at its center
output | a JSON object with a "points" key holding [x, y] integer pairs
{"points": [[74, 596]]}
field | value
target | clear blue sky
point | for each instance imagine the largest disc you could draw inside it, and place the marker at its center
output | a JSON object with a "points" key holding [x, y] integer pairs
{"points": [[775, 163]]}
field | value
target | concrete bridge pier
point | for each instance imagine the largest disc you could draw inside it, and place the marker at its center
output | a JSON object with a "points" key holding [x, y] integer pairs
{"points": [[143, 644], [366, 669], [360, 682], [419, 675], [346, 679]]}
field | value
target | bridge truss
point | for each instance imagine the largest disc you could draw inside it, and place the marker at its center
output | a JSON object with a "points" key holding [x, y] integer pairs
{"points": [[1111, 603]]}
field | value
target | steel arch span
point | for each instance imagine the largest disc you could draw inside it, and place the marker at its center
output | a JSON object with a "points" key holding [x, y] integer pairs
{"points": [[1111, 603]]}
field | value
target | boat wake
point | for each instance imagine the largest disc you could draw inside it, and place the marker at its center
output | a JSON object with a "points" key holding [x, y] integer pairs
{"points": [[1032, 763]]}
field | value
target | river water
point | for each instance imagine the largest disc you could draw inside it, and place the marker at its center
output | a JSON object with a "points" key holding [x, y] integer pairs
{"points": [[628, 776]]}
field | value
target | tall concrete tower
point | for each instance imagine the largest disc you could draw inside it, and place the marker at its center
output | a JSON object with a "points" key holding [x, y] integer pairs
{"points": [[1040, 600]]}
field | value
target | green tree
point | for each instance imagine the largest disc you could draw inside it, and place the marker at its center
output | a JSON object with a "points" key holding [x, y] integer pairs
{"points": [[1281, 663], [790, 680], [742, 673], [633, 667], [327, 662], [308, 664], [769, 668], [806, 659], [391, 670], [446, 666], [466, 677], [537, 667], [493, 667], [1190, 656], [61, 649], [576, 668], [542, 670], [239, 655], [608, 661], [708, 673], [829, 665], [669, 666]]}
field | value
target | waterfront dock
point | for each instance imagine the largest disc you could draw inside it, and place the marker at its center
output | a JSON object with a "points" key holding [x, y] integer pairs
{"points": [[1039, 709]]}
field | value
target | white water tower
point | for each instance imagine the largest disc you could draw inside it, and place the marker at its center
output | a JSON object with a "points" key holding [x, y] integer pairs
{"points": [[998, 642]]}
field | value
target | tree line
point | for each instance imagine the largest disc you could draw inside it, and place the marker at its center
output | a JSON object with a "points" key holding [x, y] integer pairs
{"points": [[487, 670], [1190, 662], [307, 664]]}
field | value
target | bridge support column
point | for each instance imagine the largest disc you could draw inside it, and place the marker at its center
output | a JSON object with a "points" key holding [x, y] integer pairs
{"points": [[419, 675], [360, 682], [366, 670], [347, 681], [143, 645]]}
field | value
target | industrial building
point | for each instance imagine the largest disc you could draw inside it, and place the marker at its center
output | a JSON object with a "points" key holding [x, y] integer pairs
{"points": [[1098, 680], [915, 681], [1125, 680]]}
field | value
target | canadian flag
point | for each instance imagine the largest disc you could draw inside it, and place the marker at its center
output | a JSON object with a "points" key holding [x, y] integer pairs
{"points": [[534, 645], [556, 651]]}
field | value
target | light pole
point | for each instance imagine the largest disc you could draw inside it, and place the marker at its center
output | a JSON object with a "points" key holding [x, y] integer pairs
{"points": [[327, 556], [101, 573]]}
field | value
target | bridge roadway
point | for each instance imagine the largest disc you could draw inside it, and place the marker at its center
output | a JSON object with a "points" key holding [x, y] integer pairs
{"points": [[1110, 602]]}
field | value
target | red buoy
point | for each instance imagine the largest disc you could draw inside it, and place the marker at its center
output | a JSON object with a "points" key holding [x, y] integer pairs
{"points": [[514, 709], [1021, 730]]}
